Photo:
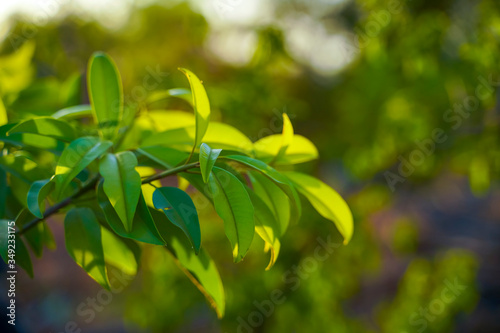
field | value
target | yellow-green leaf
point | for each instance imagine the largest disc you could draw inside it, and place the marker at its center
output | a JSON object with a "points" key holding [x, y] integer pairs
{"points": [[119, 253], [201, 105], [300, 150], [326, 201]]}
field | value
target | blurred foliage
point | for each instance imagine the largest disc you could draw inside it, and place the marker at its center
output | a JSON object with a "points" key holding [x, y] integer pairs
{"points": [[395, 93]]}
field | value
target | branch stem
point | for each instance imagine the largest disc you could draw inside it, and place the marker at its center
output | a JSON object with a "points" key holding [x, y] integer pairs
{"points": [[90, 185]]}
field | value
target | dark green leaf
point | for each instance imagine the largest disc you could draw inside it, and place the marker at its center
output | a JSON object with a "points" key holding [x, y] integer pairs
{"points": [[180, 210]]}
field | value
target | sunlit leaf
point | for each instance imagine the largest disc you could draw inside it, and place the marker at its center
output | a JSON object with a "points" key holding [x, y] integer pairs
{"points": [[326, 201], [105, 94], [234, 206], [119, 253], [3, 114], [83, 238], [122, 184], [200, 104], [286, 136], [184, 138], [164, 120], [207, 160], [180, 210], [300, 150]]}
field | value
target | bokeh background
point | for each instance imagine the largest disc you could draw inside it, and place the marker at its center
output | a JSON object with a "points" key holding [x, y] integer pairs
{"points": [[369, 82]]}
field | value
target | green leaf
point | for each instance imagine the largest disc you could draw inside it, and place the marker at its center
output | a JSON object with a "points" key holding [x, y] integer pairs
{"points": [[105, 94], [200, 269], [200, 104], [180, 210], [207, 159], [326, 201], [19, 251], [274, 198], [84, 243], [234, 206], [76, 157], [122, 184], [120, 253], [37, 193], [143, 228], [266, 226], [276, 177], [46, 126], [73, 112]]}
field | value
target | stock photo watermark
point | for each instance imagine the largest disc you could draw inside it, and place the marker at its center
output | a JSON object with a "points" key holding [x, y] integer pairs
{"points": [[47, 9], [292, 279], [87, 310], [11, 272], [454, 116], [425, 315]]}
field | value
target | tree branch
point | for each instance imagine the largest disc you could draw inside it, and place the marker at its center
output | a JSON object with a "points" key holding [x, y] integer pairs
{"points": [[90, 185]]}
